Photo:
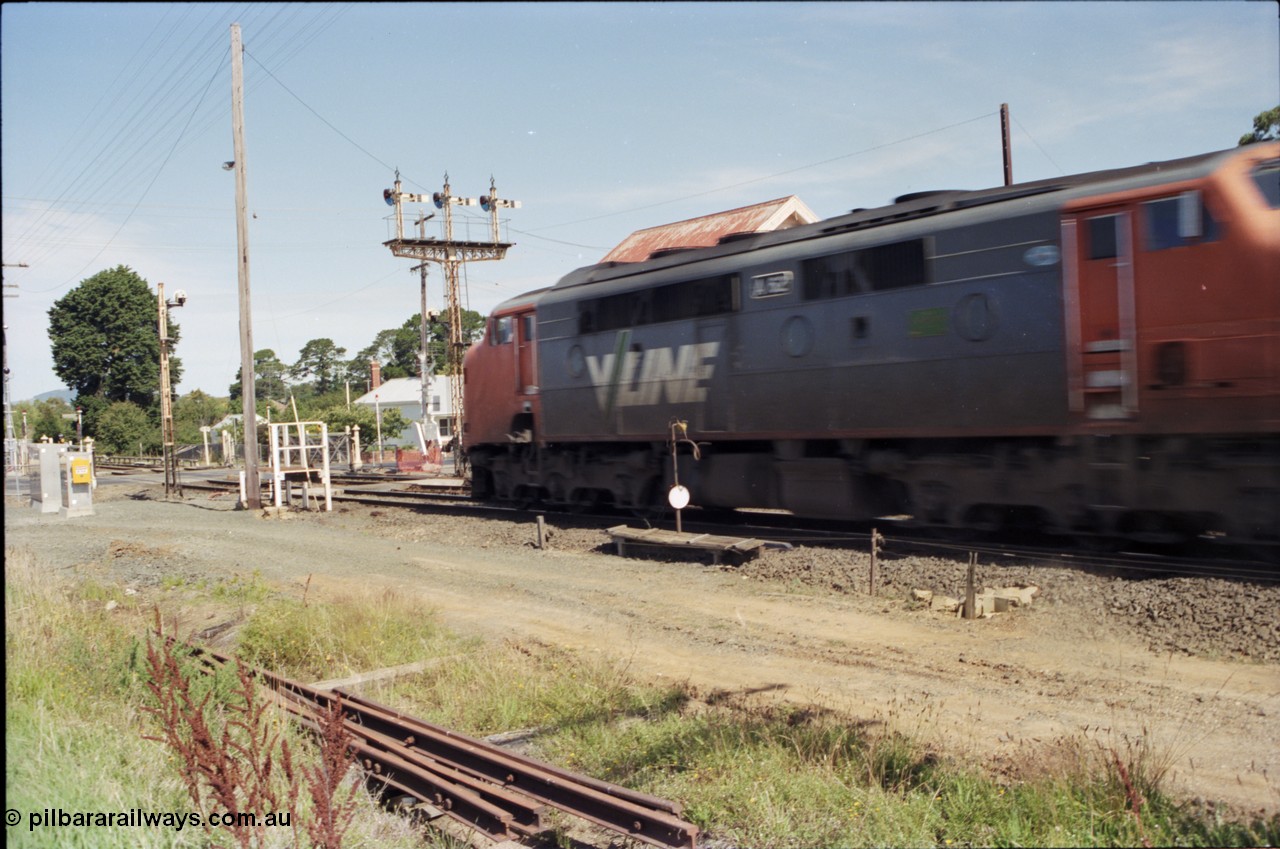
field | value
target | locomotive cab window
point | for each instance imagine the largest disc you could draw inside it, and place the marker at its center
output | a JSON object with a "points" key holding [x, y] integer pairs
{"points": [[500, 331], [1267, 178], [1178, 221]]}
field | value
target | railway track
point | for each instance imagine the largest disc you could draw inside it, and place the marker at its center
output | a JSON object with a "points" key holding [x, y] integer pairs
{"points": [[499, 793], [1207, 560]]}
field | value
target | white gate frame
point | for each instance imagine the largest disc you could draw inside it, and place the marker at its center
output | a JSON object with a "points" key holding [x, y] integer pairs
{"points": [[290, 459]]}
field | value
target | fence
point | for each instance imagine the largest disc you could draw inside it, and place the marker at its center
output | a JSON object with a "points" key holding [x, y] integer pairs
{"points": [[20, 465]]}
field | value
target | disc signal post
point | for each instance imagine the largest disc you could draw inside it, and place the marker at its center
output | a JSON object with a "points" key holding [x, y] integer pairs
{"points": [[450, 254]]}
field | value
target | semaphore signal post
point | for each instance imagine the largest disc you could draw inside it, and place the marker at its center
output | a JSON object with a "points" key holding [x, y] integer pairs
{"points": [[450, 253]]}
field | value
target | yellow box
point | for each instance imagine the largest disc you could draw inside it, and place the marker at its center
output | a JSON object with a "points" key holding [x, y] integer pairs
{"points": [[81, 471]]}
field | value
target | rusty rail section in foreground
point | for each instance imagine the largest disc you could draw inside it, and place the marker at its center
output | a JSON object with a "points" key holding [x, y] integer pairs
{"points": [[499, 793]]}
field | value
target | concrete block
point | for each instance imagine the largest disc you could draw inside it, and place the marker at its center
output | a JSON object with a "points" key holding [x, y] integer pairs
{"points": [[944, 603]]}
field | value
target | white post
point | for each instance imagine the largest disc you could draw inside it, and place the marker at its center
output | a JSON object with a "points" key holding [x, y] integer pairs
{"points": [[356, 463], [204, 433], [377, 413]]}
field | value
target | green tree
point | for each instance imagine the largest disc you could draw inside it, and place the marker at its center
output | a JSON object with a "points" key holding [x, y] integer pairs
{"points": [[338, 418], [268, 378], [44, 418], [385, 349], [438, 336], [123, 428], [194, 411], [106, 345], [1266, 127], [320, 360], [397, 348]]}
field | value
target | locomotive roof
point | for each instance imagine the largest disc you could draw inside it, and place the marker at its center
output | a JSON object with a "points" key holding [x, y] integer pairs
{"points": [[1036, 195]]}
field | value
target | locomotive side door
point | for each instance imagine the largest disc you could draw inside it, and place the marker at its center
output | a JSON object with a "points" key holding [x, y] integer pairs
{"points": [[526, 353], [1101, 332]]}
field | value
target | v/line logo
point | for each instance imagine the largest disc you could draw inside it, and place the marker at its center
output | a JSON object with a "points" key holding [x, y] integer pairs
{"points": [[659, 375]]}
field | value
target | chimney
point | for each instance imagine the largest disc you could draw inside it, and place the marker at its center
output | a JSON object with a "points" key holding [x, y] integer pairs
{"points": [[375, 375]]}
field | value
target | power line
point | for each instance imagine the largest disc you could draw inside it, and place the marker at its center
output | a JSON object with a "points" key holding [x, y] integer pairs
{"points": [[843, 156], [145, 191], [323, 119], [1038, 147]]}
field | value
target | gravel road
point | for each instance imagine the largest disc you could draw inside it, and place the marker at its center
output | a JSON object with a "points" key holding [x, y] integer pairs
{"points": [[1187, 667]]}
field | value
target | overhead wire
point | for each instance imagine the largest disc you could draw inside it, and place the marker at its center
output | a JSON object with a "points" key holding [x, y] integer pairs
{"points": [[761, 179], [95, 132], [145, 191], [1038, 147], [318, 116], [174, 54], [159, 108]]}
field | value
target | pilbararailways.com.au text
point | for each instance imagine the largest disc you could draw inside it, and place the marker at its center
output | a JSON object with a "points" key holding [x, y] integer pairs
{"points": [[138, 818]]}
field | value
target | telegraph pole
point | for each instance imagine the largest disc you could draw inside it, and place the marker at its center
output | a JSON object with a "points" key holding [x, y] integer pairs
{"points": [[1008, 148], [252, 485], [10, 439], [450, 253]]}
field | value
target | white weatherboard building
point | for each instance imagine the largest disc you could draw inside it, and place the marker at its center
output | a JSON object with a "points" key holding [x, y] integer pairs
{"points": [[405, 395]]}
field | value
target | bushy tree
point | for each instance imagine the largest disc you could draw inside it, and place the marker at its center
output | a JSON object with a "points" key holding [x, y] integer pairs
{"points": [[396, 349], [388, 349], [438, 336], [321, 360], [1266, 127], [268, 378], [123, 428], [106, 344], [44, 418], [340, 417], [194, 411]]}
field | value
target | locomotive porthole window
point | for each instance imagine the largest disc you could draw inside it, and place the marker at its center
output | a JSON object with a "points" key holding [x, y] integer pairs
{"points": [[576, 361], [975, 317], [797, 336]]}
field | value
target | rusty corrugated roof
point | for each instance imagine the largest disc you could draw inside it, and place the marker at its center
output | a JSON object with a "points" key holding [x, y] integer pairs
{"points": [[707, 230]]}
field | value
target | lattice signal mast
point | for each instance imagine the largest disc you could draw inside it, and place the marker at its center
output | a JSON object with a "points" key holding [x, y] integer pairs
{"points": [[450, 253]]}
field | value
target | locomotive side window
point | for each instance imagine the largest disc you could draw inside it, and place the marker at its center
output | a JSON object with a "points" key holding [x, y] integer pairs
{"points": [[1178, 221], [1102, 237], [1267, 178], [892, 266], [672, 302], [501, 332]]}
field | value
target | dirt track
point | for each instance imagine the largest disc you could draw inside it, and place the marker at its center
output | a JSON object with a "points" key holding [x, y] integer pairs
{"points": [[792, 625]]}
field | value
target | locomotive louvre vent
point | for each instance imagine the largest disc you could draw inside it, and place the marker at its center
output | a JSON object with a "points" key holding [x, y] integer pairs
{"points": [[736, 237], [661, 252], [933, 193]]}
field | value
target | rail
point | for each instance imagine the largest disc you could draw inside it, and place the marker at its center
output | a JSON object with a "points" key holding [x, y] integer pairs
{"points": [[497, 792]]}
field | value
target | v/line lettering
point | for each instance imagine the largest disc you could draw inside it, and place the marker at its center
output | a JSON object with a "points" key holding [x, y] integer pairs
{"points": [[658, 375]]}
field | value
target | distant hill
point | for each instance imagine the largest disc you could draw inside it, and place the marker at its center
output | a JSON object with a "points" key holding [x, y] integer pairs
{"points": [[65, 394]]}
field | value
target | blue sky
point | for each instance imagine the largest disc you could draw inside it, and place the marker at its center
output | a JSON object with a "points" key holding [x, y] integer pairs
{"points": [[601, 118]]}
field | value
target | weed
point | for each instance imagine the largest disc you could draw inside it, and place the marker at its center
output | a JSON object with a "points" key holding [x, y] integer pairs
{"points": [[315, 641]]}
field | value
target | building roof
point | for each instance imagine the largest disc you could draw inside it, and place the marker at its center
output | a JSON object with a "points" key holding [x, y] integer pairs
{"points": [[235, 418], [707, 230], [404, 390]]}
